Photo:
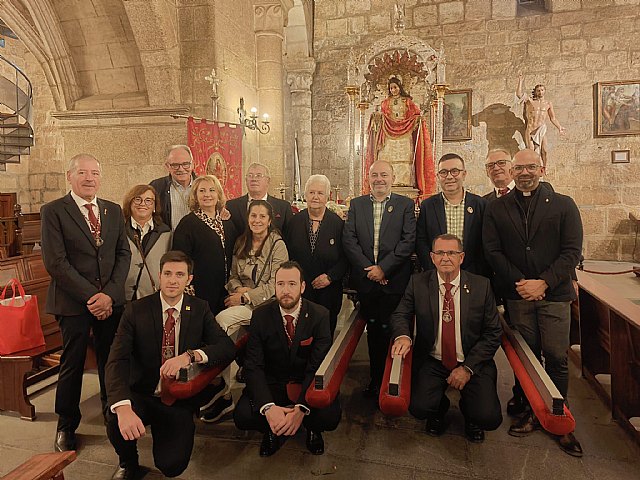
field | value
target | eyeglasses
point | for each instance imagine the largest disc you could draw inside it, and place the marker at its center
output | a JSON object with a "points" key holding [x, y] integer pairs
{"points": [[176, 166], [454, 172], [448, 253], [255, 176], [532, 167], [499, 163], [147, 201]]}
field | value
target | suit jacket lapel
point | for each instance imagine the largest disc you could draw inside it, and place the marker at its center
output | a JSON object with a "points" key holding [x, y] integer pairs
{"points": [[75, 213], [305, 234], [301, 326], [540, 208], [513, 211], [387, 214], [465, 293], [470, 215], [279, 325], [185, 324], [368, 213], [434, 293], [158, 328], [438, 207]]}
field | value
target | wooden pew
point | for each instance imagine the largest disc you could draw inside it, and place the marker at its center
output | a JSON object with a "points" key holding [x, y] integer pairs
{"points": [[45, 466], [21, 370], [610, 344]]}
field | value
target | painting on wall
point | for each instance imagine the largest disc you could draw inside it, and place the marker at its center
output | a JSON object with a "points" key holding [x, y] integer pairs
{"points": [[617, 108], [457, 116]]}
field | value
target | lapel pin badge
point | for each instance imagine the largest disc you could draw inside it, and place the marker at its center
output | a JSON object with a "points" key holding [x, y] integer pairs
{"points": [[390, 208], [546, 200], [466, 288], [332, 241], [187, 308], [470, 209]]}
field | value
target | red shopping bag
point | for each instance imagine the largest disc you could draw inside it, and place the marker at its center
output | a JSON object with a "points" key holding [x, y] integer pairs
{"points": [[20, 327]]}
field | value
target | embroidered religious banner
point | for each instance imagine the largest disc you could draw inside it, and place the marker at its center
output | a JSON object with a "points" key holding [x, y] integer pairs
{"points": [[217, 150]]}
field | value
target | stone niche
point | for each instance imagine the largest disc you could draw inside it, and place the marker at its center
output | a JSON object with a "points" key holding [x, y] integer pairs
{"points": [[568, 48]]}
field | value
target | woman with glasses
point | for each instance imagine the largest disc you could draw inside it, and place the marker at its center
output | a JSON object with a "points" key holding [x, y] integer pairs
{"points": [[208, 239], [149, 239], [314, 238], [257, 255]]}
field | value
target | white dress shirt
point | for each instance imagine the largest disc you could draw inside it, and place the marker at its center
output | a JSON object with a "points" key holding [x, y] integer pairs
{"points": [[511, 186], [81, 202], [437, 346]]}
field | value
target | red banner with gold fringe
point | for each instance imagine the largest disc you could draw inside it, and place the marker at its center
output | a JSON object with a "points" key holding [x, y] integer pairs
{"points": [[217, 150]]}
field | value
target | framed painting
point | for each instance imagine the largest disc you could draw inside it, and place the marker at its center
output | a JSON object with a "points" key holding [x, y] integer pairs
{"points": [[617, 108], [457, 116]]}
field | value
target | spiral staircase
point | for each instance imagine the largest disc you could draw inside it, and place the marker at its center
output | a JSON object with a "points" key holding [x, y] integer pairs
{"points": [[16, 114]]}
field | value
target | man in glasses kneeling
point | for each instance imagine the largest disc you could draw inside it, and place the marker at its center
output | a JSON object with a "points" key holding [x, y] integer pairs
{"points": [[457, 335]]}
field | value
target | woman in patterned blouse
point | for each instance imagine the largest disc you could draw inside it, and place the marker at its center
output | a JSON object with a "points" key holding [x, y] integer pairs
{"points": [[208, 240]]}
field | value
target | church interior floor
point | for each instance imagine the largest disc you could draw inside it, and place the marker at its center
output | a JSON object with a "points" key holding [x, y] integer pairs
{"points": [[366, 445]]}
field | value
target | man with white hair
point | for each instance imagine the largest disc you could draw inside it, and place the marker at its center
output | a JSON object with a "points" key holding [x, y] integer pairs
{"points": [[86, 252], [174, 189]]}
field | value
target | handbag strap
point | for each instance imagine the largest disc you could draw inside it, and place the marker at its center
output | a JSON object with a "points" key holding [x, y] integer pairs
{"points": [[268, 261], [13, 282]]}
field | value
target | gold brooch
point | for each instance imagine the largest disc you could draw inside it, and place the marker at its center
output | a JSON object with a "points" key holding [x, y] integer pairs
{"points": [[470, 209]]}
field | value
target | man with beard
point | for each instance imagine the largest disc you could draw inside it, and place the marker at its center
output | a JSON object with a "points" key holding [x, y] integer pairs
{"points": [[533, 241], [288, 340]]}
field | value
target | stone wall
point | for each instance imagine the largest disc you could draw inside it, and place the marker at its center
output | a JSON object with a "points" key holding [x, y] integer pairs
{"points": [[569, 48]]}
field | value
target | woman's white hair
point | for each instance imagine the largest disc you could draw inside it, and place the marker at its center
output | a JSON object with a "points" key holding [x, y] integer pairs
{"points": [[318, 178]]}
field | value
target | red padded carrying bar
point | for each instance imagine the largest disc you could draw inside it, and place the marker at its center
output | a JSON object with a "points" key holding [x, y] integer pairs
{"points": [[396, 405]]}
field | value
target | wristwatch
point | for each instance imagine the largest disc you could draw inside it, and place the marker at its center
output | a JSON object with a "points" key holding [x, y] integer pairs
{"points": [[244, 299], [192, 356]]}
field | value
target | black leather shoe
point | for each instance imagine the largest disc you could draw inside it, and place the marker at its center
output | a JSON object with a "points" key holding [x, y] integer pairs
{"points": [[372, 391], [523, 427], [516, 406], [570, 445], [126, 472], [473, 433], [315, 443], [435, 425], [270, 444], [65, 441]]}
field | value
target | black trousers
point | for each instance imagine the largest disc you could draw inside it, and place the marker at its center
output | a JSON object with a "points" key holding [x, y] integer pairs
{"points": [[172, 429], [247, 415], [75, 331], [329, 297], [376, 307], [479, 401]]}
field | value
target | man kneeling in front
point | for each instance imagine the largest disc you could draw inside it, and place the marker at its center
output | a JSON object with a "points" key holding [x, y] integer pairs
{"points": [[288, 339], [158, 335], [458, 333]]}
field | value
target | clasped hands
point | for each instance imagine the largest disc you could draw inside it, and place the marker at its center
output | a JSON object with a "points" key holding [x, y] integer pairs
{"points": [[284, 420], [100, 305], [235, 298], [531, 290], [376, 274]]}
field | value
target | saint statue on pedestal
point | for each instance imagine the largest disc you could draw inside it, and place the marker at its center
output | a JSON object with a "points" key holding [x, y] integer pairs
{"points": [[398, 134]]}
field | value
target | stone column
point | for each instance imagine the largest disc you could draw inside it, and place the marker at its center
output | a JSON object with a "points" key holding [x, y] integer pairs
{"points": [[299, 77], [268, 25]]}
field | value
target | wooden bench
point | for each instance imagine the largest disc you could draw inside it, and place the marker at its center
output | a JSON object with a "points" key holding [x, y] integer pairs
{"points": [[45, 466], [21, 370], [610, 344]]}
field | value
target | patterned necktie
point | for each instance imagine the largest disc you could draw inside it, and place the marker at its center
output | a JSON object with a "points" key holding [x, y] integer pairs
{"points": [[290, 328], [93, 220], [168, 351], [448, 340], [503, 191]]}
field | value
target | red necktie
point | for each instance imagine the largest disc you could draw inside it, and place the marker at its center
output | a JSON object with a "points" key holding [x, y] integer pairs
{"points": [[290, 328], [503, 191], [93, 220], [448, 339], [168, 351]]}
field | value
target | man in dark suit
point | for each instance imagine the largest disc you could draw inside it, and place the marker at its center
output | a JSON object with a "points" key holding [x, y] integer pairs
{"points": [[458, 333], [257, 181], [533, 241], [173, 190], [453, 211], [288, 340], [379, 238], [498, 168], [86, 252], [158, 335]]}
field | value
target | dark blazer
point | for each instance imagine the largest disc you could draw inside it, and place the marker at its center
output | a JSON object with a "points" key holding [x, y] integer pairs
{"points": [[271, 364], [432, 222], [328, 256], [204, 247], [162, 187], [135, 357], [490, 196], [397, 242], [78, 268], [549, 249], [480, 326], [282, 213]]}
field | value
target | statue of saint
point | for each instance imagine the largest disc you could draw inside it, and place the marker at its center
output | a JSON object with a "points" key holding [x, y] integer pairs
{"points": [[398, 134], [536, 111]]}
